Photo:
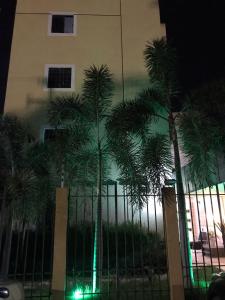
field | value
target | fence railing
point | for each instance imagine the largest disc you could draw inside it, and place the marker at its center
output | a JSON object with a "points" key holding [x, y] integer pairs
{"points": [[134, 263], [133, 242], [26, 253], [205, 224]]}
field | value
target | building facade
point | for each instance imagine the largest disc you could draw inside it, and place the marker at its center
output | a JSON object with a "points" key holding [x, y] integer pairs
{"points": [[54, 41]]}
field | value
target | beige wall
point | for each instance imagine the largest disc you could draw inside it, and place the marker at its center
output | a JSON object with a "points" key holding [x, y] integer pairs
{"points": [[108, 32]]}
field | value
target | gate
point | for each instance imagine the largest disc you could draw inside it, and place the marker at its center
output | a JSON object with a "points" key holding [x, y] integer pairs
{"points": [[134, 264]]}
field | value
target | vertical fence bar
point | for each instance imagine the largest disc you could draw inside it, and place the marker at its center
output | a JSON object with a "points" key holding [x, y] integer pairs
{"points": [[84, 271], [222, 228], [17, 251], [173, 248], [59, 258], [34, 260], [43, 252], [133, 250], [92, 229], [214, 226], [116, 239], [25, 258], [157, 260], [108, 266], [141, 252], [207, 227], [194, 239], [201, 238], [125, 237]]}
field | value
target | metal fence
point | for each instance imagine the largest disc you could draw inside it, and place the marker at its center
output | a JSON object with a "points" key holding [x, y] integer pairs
{"points": [[134, 264], [134, 261], [26, 252], [205, 224]]}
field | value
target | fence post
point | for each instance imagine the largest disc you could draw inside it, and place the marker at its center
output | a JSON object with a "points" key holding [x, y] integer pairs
{"points": [[172, 243], [60, 237]]}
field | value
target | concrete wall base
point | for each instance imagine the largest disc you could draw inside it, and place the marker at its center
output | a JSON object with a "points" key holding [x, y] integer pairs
{"points": [[58, 295]]}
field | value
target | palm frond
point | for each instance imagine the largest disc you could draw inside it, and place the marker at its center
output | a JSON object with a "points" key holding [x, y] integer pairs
{"points": [[64, 109], [200, 145], [82, 166], [125, 151], [160, 60], [157, 160], [97, 92], [161, 63], [13, 137], [39, 158], [21, 191], [130, 116], [209, 99], [154, 99]]}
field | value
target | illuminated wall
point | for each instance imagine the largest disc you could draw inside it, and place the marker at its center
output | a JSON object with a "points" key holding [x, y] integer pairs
{"points": [[112, 32]]}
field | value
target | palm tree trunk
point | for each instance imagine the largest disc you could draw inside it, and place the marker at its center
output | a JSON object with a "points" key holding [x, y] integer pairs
{"points": [[97, 257], [184, 240]]}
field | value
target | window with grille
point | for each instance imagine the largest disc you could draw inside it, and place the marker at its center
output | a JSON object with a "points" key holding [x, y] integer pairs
{"points": [[59, 77]]}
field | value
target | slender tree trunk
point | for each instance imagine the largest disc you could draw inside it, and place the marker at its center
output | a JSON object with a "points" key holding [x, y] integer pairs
{"points": [[97, 257], [184, 239]]}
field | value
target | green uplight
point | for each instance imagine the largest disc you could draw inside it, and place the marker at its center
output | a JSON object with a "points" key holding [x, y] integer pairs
{"points": [[80, 293], [94, 275], [190, 262], [204, 284]]}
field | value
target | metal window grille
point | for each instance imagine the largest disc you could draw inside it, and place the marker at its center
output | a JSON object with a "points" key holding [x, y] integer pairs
{"points": [[59, 77]]}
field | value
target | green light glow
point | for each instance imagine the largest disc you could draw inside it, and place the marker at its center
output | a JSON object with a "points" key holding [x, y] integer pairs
{"points": [[80, 293], [94, 276], [190, 262], [202, 284]]}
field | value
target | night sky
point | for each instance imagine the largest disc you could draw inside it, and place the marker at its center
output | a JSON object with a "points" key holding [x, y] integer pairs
{"points": [[197, 30], [195, 27], [7, 12]]}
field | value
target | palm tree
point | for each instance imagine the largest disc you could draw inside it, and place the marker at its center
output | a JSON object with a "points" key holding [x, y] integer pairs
{"points": [[203, 138], [84, 119], [136, 117], [12, 139], [23, 185], [202, 131]]}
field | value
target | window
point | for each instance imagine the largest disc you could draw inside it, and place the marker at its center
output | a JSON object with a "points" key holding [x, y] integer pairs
{"points": [[50, 134], [61, 24], [59, 77]]}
